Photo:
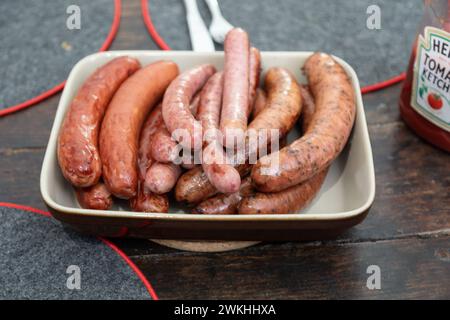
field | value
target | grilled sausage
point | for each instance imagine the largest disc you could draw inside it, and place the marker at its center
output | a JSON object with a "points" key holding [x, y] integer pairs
{"points": [[95, 197], [308, 107], [149, 128], [149, 202], [326, 136], [163, 147], [296, 197], [260, 102], [225, 203], [233, 122], [283, 107], [254, 72], [222, 175], [78, 154], [287, 201], [176, 113], [123, 121], [146, 201], [193, 186]]}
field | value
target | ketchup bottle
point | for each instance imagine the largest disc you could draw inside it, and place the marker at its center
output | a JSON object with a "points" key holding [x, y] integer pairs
{"points": [[425, 97]]}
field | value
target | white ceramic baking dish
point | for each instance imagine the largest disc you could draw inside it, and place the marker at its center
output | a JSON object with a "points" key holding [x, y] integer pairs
{"points": [[343, 201]]}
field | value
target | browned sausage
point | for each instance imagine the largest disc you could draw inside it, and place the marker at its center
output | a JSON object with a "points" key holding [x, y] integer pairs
{"points": [[123, 121], [78, 154], [193, 186], [95, 197], [223, 176], [296, 197], [225, 203], [235, 104], [255, 70], [325, 138], [146, 201], [176, 113], [260, 102], [149, 202], [150, 126], [290, 200], [283, 107], [308, 108]]}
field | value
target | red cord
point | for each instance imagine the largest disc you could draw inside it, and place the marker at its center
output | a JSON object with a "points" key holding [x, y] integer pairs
{"points": [[151, 28], [112, 33], [383, 84], [135, 268], [25, 208], [164, 46], [122, 254]]}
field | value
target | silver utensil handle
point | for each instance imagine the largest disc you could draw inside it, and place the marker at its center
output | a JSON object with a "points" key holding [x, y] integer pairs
{"points": [[200, 38], [214, 8]]}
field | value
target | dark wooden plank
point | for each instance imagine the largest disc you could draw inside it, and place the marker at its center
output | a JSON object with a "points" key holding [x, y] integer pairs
{"points": [[132, 34], [19, 176], [381, 107], [410, 268], [412, 185], [29, 128]]}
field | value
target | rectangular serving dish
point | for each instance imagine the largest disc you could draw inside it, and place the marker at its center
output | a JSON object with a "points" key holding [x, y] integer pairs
{"points": [[343, 201]]}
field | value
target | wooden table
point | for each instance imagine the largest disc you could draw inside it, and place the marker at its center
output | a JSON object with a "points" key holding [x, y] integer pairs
{"points": [[406, 234]]}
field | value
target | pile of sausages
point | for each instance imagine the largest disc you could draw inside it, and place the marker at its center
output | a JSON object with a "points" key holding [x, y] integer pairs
{"points": [[134, 133]]}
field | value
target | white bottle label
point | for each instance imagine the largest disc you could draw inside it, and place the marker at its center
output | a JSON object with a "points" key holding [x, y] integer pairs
{"points": [[431, 87]]}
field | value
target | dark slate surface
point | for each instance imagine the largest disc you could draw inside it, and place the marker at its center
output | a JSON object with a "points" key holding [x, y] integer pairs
{"points": [[37, 50], [35, 252], [334, 26]]}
